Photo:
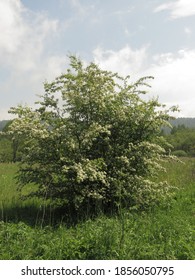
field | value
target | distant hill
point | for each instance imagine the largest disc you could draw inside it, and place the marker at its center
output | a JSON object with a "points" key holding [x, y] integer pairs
{"points": [[2, 124], [188, 122]]}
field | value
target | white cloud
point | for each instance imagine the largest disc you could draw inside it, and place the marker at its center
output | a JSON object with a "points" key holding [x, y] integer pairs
{"points": [[82, 10], [23, 53], [77, 5], [174, 81], [188, 31], [179, 8], [11, 27], [164, 7], [125, 61], [22, 41]]}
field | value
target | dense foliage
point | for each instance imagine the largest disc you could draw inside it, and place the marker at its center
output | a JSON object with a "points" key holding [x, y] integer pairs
{"points": [[93, 143], [183, 140]]}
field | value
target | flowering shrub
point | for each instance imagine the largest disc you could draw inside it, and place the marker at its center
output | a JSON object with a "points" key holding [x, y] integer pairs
{"points": [[93, 143]]}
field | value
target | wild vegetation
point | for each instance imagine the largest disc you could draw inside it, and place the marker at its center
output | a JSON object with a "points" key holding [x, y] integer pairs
{"points": [[163, 232], [183, 140], [88, 174]]}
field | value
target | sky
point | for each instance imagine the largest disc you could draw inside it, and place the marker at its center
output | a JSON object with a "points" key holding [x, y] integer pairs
{"points": [[131, 37]]}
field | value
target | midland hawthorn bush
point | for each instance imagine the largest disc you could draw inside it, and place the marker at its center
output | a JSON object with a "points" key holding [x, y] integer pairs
{"points": [[93, 143]]}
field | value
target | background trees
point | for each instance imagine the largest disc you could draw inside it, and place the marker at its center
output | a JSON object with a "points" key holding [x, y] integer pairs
{"points": [[93, 143], [10, 145], [182, 139]]}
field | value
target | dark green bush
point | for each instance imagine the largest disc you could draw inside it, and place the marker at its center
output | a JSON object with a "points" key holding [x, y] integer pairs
{"points": [[180, 153]]}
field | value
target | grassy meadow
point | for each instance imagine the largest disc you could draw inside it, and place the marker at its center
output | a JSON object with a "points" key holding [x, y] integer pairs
{"points": [[28, 231]]}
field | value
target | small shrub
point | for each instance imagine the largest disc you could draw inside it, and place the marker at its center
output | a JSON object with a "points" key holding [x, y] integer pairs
{"points": [[180, 153]]}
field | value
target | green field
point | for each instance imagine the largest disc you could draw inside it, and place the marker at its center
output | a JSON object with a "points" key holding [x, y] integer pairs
{"points": [[30, 231]]}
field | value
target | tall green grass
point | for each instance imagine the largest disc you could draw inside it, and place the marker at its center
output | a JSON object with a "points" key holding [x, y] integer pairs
{"points": [[12, 206], [163, 232]]}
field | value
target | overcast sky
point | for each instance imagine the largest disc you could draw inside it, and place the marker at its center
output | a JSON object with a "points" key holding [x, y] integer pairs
{"points": [[132, 37]]}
